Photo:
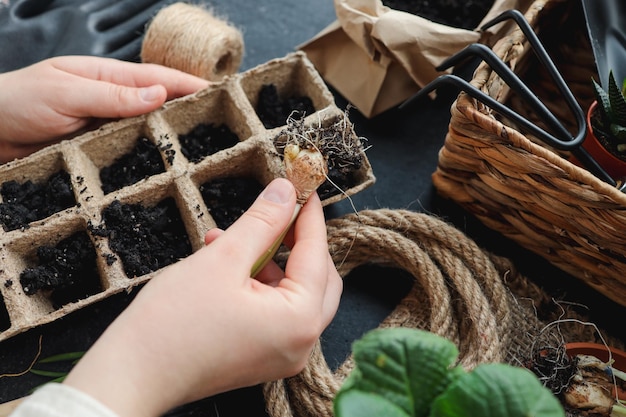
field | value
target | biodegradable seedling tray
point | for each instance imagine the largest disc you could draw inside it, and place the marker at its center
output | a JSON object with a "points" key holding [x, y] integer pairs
{"points": [[179, 198]]}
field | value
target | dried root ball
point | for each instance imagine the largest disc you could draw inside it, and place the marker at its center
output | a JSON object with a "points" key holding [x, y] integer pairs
{"points": [[306, 169]]}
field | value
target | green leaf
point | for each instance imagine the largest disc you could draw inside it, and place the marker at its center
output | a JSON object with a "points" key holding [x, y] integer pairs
{"points": [[619, 132], [51, 374], [618, 103], [62, 357], [604, 105], [406, 367], [355, 403], [497, 390]]}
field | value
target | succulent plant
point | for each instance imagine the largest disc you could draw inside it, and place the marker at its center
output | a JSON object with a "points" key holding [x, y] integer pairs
{"points": [[612, 113]]}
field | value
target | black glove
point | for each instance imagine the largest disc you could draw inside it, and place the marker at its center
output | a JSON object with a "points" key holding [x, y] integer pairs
{"points": [[32, 30]]}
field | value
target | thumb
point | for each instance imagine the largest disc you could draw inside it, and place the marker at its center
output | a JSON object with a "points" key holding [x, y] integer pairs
{"points": [[261, 225]]}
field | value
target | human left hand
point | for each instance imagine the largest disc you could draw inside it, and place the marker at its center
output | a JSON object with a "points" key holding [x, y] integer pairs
{"points": [[47, 101]]}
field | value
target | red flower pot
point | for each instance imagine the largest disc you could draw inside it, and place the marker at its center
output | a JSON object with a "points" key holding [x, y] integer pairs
{"points": [[599, 351], [614, 166]]}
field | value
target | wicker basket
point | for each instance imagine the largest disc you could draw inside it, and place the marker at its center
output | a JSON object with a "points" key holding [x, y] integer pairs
{"points": [[518, 186]]}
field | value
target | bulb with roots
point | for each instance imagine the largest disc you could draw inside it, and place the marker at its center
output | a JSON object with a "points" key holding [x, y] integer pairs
{"points": [[306, 168]]}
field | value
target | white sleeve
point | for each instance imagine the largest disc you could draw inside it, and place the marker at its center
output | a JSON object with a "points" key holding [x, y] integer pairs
{"points": [[58, 400]]}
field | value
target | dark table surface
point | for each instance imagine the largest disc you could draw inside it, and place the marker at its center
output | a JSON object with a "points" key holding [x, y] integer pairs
{"points": [[403, 154]]}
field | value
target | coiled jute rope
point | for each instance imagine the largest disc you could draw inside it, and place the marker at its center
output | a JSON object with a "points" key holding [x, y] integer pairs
{"points": [[474, 298], [192, 39]]}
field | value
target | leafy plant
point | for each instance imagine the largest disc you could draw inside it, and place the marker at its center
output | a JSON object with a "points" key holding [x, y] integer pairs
{"points": [[403, 372], [612, 109], [57, 376]]}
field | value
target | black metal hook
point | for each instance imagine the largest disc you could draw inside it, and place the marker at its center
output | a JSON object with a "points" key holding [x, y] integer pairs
{"points": [[565, 141], [516, 84], [546, 61]]}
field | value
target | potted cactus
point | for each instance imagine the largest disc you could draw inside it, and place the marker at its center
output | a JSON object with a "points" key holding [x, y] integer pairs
{"points": [[606, 128]]}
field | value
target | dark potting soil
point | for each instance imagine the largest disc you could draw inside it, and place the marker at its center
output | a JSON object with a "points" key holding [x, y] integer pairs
{"points": [[143, 161], [604, 138], [145, 238], [343, 178], [555, 368], [274, 110], [344, 157], [228, 198], [463, 14], [27, 202], [68, 271], [206, 139]]}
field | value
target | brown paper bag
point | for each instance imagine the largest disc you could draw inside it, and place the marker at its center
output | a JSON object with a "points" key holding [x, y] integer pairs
{"points": [[377, 57]]}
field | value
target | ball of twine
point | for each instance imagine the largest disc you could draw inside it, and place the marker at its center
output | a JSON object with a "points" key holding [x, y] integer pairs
{"points": [[469, 296], [191, 39]]}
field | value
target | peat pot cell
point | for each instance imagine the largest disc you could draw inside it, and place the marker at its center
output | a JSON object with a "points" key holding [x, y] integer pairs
{"points": [[274, 109], [206, 139], [337, 141], [281, 86], [24, 203], [228, 198], [462, 14], [145, 238], [66, 272], [143, 161], [5, 320], [211, 122]]}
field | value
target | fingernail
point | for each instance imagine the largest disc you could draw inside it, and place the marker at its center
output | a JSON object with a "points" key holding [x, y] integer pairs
{"points": [[150, 93], [278, 191]]}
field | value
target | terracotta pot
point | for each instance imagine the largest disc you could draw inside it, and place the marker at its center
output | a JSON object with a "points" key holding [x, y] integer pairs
{"points": [[601, 352], [614, 166]]}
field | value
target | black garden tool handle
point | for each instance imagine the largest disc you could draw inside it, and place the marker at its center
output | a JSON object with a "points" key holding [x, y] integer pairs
{"points": [[563, 138], [33, 30]]}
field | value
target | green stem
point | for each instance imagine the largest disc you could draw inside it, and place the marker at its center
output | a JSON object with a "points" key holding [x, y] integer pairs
{"points": [[618, 374], [618, 410], [269, 254]]}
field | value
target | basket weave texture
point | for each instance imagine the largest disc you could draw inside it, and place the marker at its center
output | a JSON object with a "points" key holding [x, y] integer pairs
{"points": [[522, 188]]}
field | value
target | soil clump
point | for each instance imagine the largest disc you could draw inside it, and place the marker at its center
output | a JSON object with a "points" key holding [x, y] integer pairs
{"points": [[67, 271], [142, 162], [206, 139], [228, 198], [274, 110], [28, 202], [146, 239]]}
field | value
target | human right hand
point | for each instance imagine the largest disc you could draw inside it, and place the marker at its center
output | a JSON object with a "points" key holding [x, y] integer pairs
{"points": [[204, 325]]}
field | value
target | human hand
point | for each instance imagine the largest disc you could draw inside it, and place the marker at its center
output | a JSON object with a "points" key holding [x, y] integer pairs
{"points": [[203, 326], [47, 101]]}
